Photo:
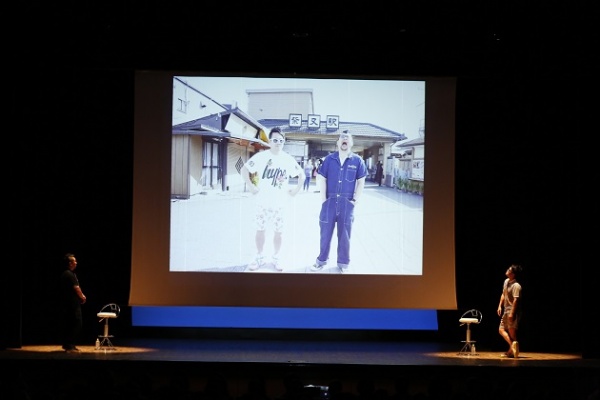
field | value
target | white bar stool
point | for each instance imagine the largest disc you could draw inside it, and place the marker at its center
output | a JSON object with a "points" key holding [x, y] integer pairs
{"points": [[470, 317], [107, 312]]}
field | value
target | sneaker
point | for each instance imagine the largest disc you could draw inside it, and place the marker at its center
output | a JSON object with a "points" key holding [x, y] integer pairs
{"points": [[275, 262], [258, 262], [317, 267], [515, 348]]}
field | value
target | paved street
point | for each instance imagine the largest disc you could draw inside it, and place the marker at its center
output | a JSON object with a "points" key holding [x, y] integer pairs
{"points": [[215, 232]]}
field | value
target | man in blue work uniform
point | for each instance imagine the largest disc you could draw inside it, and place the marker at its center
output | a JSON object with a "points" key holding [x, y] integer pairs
{"points": [[341, 181]]}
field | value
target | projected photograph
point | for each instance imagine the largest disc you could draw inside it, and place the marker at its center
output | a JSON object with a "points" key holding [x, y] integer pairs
{"points": [[249, 156]]}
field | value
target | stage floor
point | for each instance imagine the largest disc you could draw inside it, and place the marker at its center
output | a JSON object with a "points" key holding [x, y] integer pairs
{"points": [[296, 352], [157, 365]]}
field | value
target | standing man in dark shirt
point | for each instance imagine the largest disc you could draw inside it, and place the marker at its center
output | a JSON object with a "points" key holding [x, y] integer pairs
{"points": [[71, 300], [341, 181]]}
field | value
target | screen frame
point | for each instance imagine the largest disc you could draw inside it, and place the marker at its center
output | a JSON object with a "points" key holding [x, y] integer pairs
{"points": [[153, 285]]}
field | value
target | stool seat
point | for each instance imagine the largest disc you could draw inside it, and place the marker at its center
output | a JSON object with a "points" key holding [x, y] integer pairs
{"points": [[107, 315], [468, 321]]}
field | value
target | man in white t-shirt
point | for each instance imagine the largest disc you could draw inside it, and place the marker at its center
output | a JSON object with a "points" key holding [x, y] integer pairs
{"points": [[267, 175], [510, 310]]}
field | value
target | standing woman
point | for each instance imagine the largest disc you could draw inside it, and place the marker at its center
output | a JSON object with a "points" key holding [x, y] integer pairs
{"points": [[379, 173], [308, 169]]}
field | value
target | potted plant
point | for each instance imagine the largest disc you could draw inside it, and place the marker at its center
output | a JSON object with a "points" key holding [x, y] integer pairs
{"points": [[403, 184], [412, 186]]}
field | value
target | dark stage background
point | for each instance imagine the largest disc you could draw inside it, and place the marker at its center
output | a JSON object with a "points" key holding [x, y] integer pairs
{"points": [[523, 143]]}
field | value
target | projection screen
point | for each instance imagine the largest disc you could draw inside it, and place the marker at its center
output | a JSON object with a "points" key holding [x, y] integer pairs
{"points": [[194, 221]]}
